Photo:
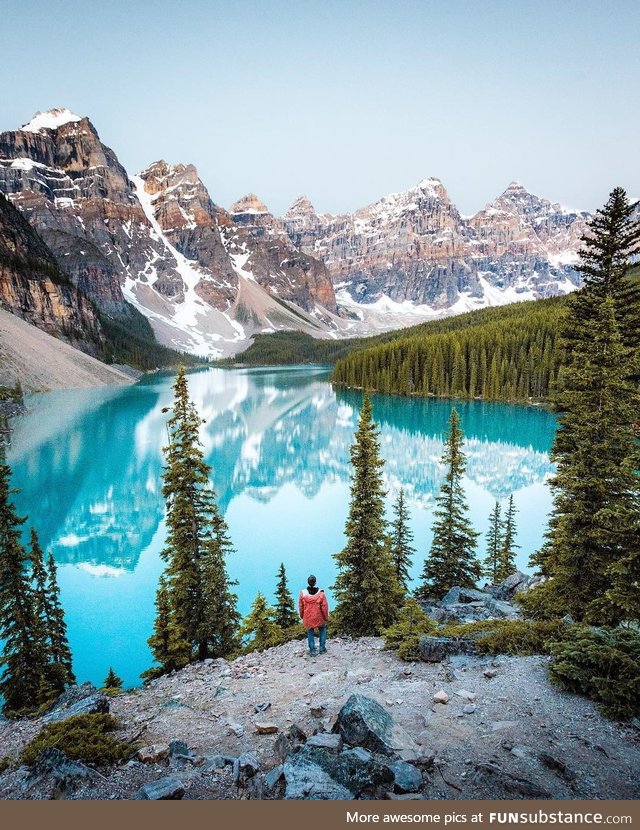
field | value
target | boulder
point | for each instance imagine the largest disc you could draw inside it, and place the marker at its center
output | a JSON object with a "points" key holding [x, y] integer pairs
{"points": [[317, 774], [363, 722], [95, 703], [436, 649], [54, 767], [164, 789], [441, 697]]}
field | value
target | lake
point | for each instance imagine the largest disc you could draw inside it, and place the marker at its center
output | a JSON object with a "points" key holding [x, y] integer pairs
{"points": [[88, 464]]}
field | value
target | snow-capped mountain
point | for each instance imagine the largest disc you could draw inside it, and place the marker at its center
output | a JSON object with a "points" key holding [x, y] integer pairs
{"points": [[157, 241], [414, 250], [208, 278]]}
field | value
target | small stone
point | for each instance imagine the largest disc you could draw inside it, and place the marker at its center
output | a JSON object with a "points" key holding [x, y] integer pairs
{"points": [[266, 728], [236, 729], [318, 711], [164, 789], [489, 673], [407, 779], [153, 754], [441, 697], [261, 707], [469, 709], [463, 693]]}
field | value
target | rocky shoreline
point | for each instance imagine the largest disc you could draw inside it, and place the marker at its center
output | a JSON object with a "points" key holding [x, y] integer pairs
{"points": [[355, 723]]}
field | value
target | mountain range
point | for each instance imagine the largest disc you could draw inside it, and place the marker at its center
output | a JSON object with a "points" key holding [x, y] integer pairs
{"points": [[209, 278]]}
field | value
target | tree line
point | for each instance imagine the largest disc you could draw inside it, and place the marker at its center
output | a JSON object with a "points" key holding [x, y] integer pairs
{"points": [[515, 356]]}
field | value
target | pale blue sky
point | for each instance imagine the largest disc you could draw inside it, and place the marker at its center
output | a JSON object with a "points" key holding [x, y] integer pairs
{"points": [[344, 100]]}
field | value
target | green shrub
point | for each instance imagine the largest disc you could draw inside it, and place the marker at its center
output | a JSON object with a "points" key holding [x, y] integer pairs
{"points": [[85, 738], [404, 635], [5, 763], [603, 664], [515, 637]]}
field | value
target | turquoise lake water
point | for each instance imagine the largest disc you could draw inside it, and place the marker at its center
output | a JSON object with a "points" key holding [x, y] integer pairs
{"points": [[88, 464]]}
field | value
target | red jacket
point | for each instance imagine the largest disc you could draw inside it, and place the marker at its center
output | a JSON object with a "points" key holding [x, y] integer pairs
{"points": [[313, 608]]}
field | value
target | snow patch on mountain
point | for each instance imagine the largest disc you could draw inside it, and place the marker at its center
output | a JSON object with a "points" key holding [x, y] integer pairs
{"points": [[50, 120]]}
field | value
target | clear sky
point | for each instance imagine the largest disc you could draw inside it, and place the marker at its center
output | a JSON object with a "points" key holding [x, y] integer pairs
{"points": [[344, 100]]}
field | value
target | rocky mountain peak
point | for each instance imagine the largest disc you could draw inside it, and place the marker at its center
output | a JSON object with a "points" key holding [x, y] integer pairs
{"points": [[51, 120], [160, 176], [301, 207], [248, 204]]}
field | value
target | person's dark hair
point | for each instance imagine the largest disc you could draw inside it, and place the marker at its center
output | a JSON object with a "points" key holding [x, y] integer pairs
{"points": [[311, 581]]}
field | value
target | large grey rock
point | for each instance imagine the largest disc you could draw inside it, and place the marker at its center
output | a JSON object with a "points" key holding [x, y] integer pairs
{"points": [[94, 703], [508, 587], [55, 767], [456, 595], [164, 789], [318, 774], [436, 649], [363, 722]]}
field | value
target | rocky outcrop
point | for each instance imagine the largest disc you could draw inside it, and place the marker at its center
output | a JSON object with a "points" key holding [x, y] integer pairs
{"points": [[415, 246], [33, 287]]}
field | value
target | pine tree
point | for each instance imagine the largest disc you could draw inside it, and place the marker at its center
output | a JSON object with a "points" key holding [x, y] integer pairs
{"points": [[451, 561], [201, 604], [112, 681], [507, 554], [22, 661], [494, 546], [368, 595], [260, 626], [591, 553], [169, 646], [285, 611], [50, 617], [401, 538]]}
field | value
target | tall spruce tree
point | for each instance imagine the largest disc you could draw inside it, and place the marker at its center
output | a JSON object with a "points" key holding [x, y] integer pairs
{"points": [[491, 564], [507, 557], [452, 558], [285, 611], [202, 608], [401, 537], [50, 615], [368, 595], [23, 657], [591, 553]]}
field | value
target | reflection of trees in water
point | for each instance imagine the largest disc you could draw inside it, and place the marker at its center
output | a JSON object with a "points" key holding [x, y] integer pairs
{"points": [[93, 488]]}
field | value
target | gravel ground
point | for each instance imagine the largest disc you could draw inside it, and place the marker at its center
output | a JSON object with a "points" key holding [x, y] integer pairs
{"points": [[511, 734]]}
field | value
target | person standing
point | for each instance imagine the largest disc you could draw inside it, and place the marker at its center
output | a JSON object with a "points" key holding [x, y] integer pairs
{"points": [[314, 613]]}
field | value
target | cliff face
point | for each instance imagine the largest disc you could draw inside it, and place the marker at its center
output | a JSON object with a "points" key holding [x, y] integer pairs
{"points": [[156, 241], [416, 246], [33, 287]]}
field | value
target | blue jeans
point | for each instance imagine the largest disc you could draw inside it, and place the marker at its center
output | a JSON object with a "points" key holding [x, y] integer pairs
{"points": [[312, 642]]}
